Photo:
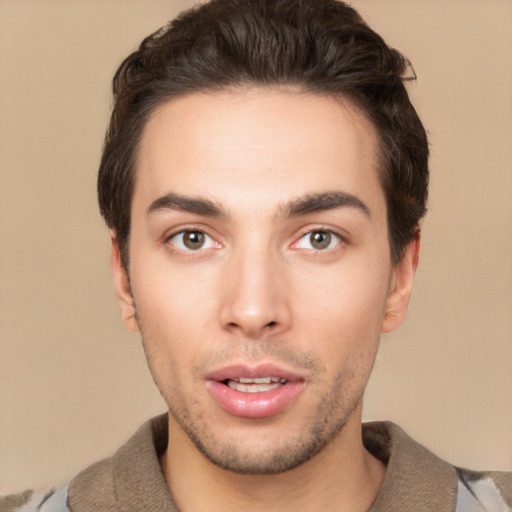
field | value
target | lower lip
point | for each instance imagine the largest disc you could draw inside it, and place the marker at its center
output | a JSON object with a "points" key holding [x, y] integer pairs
{"points": [[255, 405]]}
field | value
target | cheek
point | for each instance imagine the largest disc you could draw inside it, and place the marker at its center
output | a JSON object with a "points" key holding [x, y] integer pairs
{"points": [[348, 299], [173, 310], [174, 297], [345, 314], [169, 330]]}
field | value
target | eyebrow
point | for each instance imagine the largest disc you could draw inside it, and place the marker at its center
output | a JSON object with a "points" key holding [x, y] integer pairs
{"points": [[322, 202], [301, 206], [179, 202]]}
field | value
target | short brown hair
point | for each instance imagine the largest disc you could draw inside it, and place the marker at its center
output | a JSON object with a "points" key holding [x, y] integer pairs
{"points": [[320, 46]]}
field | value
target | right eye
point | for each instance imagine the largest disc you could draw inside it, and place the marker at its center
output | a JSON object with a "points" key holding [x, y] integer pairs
{"points": [[318, 240], [192, 240]]}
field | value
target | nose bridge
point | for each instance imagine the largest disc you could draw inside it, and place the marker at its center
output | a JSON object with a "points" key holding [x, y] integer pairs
{"points": [[254, 301]]}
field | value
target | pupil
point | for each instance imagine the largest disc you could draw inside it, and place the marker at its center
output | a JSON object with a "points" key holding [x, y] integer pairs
{"points": [[320, 239], [193, 239]]}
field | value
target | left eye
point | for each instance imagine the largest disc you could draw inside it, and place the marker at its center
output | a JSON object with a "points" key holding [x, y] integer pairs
{"points": [[318, 240], [192, 240]]}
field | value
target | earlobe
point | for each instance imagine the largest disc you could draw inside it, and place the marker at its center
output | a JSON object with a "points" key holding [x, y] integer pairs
{"points": [[122, 286], [401, 286]]}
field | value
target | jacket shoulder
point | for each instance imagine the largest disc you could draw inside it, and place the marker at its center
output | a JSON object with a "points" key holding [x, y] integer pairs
{"points": [[93, 488]]}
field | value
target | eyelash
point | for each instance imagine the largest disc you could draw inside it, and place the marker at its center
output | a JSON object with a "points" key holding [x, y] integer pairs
{"points": [[191, 229], [336, 239]]}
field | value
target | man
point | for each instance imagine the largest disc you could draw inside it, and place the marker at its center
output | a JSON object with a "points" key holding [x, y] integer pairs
{"points": [[263, 177]]}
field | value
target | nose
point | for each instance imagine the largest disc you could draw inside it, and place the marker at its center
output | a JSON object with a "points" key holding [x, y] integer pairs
{"points": [[255, 298]]}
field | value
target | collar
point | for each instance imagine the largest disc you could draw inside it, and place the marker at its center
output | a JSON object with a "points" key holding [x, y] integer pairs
{"points": [[138, 479], [132, 480], [415, 478]]}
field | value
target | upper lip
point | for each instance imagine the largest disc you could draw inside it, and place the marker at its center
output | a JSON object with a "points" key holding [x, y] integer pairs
{"points": [[235, 371]]}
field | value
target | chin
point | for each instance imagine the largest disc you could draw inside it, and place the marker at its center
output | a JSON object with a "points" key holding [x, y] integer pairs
{"points": [[270, 455]]}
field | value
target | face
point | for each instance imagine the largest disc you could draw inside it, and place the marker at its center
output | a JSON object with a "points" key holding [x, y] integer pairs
{"points": [[260, 272]]}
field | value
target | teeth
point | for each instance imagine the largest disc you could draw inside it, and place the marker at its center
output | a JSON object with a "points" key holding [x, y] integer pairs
{"points": [[257, 385], [252, 388], [259, 380]]}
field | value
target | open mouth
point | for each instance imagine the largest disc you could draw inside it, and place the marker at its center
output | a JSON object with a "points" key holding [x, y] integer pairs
{"points": [[256, 385], [255, 392]]}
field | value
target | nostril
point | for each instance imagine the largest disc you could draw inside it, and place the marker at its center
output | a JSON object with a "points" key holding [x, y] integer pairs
{"points": [[271, 324]]}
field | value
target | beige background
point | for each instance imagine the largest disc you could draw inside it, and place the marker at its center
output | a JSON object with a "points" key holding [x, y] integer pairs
{"points": [[73, 382]]}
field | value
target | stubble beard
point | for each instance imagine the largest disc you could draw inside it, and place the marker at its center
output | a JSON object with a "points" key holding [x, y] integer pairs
{"points": [[334, 408], [331, 413]]}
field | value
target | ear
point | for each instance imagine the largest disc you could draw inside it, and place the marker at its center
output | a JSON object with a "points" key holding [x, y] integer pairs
{"points": [[122, 286], [401, 286]]}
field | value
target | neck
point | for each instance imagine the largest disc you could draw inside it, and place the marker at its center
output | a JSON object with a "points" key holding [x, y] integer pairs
{"points": [[343, 473]]}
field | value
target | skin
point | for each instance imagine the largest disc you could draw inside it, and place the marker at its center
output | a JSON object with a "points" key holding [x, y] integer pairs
{"points": [[258, 292]]}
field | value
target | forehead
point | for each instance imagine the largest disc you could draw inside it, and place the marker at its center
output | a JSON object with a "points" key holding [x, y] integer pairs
{"points": [[246, 144]]}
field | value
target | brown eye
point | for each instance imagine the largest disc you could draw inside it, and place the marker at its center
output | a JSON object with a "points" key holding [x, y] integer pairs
{"points": [[320, 239], [193, 239]]}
